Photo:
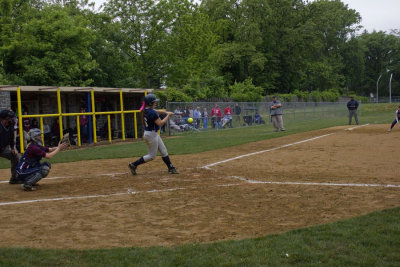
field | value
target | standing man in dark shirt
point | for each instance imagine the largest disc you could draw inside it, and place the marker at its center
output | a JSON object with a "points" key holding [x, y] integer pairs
{"points": [[7, 142], [352, 106], [237, 111]]}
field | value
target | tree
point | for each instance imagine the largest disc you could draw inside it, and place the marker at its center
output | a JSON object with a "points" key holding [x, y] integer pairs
{"points": [[51, 48]]}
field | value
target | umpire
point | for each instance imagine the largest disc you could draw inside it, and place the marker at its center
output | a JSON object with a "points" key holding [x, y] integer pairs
{"points": [[352, 106], [7, 143]]}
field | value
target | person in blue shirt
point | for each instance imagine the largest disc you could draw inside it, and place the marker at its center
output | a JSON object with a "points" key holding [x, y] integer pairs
{"points": [[154, 142]]}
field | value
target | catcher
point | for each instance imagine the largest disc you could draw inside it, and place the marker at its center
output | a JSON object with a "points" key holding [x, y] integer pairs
{"points": [[30, 170]]}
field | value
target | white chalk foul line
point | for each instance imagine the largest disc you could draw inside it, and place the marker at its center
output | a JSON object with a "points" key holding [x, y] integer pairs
{"points": [[263, 151], [317, 184], [355, 127], [112, 175], [129, 192]]}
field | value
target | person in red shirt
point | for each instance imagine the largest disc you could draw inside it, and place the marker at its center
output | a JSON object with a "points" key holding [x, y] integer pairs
{"points": [[216, 116], [228, 117]]}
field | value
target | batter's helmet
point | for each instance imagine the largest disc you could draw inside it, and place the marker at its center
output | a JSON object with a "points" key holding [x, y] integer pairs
{"points": [[150, 99]]}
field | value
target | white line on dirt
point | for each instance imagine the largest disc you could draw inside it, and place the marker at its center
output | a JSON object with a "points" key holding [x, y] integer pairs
{"points": [[112, 175], [355, 127], [317, 184], [129, 192], [263, 151]]}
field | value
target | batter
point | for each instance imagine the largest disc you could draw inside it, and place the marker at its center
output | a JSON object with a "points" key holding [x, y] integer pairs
{"points": [[154, 142]]}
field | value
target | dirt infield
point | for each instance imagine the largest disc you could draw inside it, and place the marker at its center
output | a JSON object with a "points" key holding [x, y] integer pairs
{"points": [[294, 181]]}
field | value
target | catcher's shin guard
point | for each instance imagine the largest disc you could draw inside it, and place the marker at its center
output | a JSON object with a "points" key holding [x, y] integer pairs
{"points": [[45, 169], [33, 179]]}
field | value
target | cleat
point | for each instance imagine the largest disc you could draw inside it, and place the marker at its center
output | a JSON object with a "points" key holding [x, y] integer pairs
{"points": [[132, 168], [27, 187], [15, 181], [390, 129], [173, 171]]}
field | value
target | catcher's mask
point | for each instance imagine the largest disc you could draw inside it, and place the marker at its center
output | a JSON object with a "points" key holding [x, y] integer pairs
{"points": [[150, 99], [36, 136]]}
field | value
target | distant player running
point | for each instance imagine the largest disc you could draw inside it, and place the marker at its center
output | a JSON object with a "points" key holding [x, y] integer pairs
{"points": [[154, 142], [396, 120]]}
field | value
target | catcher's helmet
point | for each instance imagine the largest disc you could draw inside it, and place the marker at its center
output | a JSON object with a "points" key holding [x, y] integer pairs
{"points": [[6, 114], [150, 99], [36, 136]]}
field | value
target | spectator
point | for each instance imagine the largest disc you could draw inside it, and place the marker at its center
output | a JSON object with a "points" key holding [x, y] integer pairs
{"points": [[55, 130], [83, 123], [26, 123], [177, 111], [185, 114], [7, 142], [226, 120], [190, 112], [276, 114], [237, 111], [216, 116], [197, 117], [352, 106], [204, 116], [34, 124], [228, 116], [257, 118], [46, 132]]}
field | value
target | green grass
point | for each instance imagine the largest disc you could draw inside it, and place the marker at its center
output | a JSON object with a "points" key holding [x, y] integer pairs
{"points": [[370, 240]]}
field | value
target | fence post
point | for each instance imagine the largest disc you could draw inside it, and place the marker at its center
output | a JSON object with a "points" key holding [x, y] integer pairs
{"points": [[60, 122], [21, 130], [122, 115], [94, 117], [78, 131]]}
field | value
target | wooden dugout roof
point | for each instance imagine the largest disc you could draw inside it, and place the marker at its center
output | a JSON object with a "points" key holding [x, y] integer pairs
{"points": [[71, 89]]}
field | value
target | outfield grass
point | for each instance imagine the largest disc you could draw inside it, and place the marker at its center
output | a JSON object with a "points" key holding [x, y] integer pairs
{"points": [[371, 240]]}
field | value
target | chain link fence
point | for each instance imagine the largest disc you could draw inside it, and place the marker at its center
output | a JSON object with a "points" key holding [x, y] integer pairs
{"points": [[205, 115]]}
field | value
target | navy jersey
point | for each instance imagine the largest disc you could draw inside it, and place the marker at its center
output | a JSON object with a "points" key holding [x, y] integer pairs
{"points": [[32, 156], [150, 116]]}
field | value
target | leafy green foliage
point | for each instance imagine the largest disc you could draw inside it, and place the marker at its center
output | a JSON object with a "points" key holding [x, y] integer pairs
{"points": [[246, 91], [200, 48]]}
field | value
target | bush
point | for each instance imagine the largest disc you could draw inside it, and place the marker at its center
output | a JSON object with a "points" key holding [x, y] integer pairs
{"points": [[246, 91]]}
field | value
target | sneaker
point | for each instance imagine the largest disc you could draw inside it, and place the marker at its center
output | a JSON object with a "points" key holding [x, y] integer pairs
{"points": [[132, 168], [15, 181], [390, 129], [27, 187], [283, 130], [173, 171]]}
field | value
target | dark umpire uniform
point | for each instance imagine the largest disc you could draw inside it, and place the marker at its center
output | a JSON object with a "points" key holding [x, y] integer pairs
{"points": [[7, 143], [352, 106]]}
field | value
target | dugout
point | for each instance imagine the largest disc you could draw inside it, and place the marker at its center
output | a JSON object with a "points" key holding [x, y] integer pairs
{"points": [[112, 112]]}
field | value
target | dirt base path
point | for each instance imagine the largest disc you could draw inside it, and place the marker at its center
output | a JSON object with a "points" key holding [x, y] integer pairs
{"points": [[294, 181]]}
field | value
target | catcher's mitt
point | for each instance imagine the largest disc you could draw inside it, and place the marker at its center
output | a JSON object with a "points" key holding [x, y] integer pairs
{"points": [[65, 139]]}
